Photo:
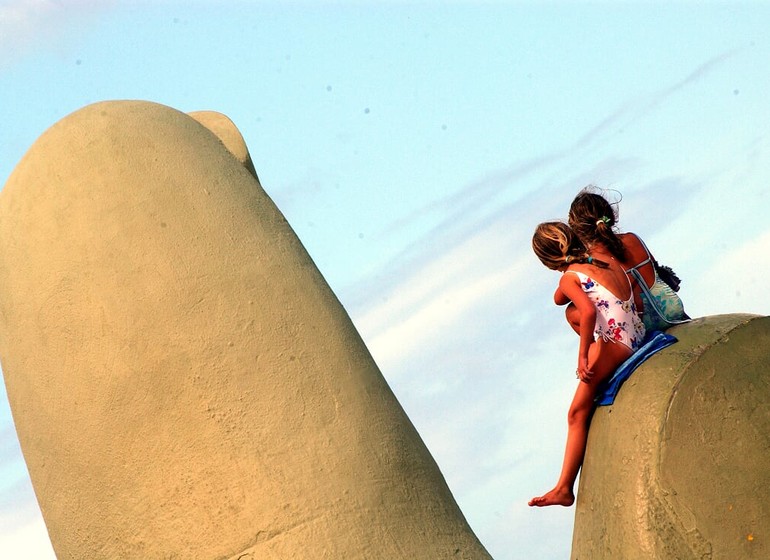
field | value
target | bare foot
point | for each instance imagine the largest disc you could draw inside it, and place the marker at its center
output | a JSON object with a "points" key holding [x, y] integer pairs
{"points": [[555, 497]]}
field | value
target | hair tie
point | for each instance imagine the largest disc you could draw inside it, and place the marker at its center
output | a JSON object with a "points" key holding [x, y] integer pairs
{"points": [[590, 260], [603, 220], [568, 259]]}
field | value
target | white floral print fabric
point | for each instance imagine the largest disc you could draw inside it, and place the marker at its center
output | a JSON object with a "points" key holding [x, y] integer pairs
{"points": [[616, 320]]}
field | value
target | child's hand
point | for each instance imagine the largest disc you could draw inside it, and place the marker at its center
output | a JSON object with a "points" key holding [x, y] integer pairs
{"points": [[583, 373]]}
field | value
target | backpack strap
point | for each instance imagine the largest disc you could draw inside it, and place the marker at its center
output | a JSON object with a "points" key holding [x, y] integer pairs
{"points": [[646, 250]]}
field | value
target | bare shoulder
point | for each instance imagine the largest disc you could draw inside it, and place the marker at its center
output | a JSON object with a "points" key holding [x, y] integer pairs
{"points": [[636, 251], [571, 285], [630, 240], [570, 278]]}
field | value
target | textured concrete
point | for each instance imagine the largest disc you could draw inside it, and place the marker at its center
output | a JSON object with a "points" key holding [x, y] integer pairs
{"points": [[183, 381], [228, 134], [679, 466]]}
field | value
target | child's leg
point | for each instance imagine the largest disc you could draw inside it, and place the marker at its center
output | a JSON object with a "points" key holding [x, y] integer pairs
{"points": [[603, 359], [573, 317]]}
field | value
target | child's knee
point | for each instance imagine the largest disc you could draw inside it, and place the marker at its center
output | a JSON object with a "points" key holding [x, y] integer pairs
{"points": [[578, 415], [572, 315]]}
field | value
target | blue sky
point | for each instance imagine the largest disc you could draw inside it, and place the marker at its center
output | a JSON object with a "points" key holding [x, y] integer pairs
{"points": [[413, 146]]}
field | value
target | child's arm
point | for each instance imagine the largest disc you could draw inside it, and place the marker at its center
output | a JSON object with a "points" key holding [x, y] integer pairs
{"points": [[570, 287]]}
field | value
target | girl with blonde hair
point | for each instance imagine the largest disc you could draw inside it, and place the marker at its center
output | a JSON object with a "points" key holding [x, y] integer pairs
{"points": [[610, 331]]}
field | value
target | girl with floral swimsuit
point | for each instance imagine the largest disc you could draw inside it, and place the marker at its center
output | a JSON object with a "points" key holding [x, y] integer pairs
{"points": [[610, 331]]}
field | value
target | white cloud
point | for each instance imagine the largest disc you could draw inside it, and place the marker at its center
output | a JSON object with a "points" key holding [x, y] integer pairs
{"points": [[32, 24], [25, 540], [740, 278], [21, 20], [635, 110], [438, 293]]}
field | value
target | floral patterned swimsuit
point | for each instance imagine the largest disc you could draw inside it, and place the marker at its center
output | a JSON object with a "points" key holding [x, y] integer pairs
{"points": [[616, 319]]}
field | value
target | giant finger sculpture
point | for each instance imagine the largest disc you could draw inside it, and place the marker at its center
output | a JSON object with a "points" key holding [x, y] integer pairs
{"points": [[183, 381], [679, 466]]}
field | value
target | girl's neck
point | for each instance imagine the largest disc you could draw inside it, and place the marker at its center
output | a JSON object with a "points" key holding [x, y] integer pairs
{"points": [[600, 250]]}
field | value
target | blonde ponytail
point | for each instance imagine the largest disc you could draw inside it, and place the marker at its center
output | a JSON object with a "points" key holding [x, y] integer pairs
{"points": [[556, 245]]}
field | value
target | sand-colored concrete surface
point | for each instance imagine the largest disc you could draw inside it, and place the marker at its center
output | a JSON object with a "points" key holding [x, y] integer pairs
{"points": [[183, 381], [228, 134], [679, 466]]}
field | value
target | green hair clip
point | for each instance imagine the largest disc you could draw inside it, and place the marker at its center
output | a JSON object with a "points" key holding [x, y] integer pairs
{"points": [[603, 219]]}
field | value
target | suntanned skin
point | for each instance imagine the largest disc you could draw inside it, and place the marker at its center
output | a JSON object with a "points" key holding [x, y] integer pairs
{"points": [[635, 253], [597, 360]]}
